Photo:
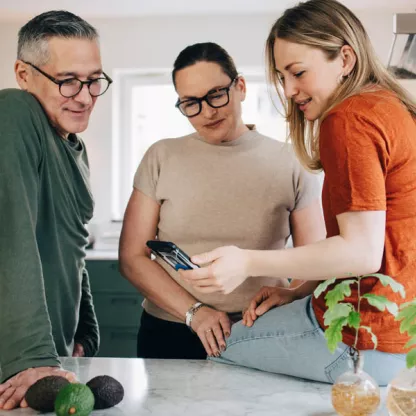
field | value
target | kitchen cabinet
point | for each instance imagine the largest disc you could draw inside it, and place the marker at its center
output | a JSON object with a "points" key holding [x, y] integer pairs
{"points": [[118, 307]]}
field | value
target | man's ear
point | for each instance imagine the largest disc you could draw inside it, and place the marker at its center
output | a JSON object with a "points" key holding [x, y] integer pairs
{"points": [[21, 71], [349, 59], [240, 84]]}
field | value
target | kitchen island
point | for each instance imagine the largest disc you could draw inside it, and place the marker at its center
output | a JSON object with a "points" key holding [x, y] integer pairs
{"points": [[200, 388]]}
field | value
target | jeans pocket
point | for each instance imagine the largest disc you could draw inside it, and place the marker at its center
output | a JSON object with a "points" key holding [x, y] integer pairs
{"points": [[337, 367]]}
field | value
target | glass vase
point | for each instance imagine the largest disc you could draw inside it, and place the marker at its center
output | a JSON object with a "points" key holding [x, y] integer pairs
{"points": [[355, 393], [401, 396]]}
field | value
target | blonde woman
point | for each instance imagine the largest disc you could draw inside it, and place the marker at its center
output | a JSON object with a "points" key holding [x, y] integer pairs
{"points": [[349, 117]]}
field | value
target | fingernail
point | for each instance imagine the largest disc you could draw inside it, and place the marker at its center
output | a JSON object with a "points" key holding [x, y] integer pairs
{"points": [[222, 347], [217, 354], [227, 334], [8, 406]]}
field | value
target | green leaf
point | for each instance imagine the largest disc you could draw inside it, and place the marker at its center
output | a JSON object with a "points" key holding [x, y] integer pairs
{"points": [[411, 359], [407, 315], [354, 320], [323, 286], [411, 342], [389, 281], [373, 336], [406, 304], [381, 303], [340, 310], [338, 293], [333, 333]]}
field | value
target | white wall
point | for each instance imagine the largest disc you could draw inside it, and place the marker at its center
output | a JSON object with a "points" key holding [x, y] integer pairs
{"points": [[154, 43]]}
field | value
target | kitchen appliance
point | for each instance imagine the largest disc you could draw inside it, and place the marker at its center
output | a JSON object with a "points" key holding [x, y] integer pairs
{"points": [[402, 55]]}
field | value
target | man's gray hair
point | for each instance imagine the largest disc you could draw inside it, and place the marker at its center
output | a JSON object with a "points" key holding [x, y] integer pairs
{"points": [[34, 35]]}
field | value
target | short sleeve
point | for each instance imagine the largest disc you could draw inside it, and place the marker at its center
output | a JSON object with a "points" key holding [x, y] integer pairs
{"points": [[147, 174], [354, 157], [307, 187]]}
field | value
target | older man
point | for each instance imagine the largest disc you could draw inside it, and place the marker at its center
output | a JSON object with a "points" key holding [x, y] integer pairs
{"points": [[46, 310]]}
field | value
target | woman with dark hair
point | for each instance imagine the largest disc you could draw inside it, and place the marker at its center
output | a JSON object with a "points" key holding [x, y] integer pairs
{"points": [[225, 183], [348, 116]]}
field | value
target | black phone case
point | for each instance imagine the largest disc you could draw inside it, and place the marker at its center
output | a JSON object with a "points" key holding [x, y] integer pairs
{"points": [[172, 254]]}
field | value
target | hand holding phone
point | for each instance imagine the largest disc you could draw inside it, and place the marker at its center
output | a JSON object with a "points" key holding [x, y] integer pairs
{"points": [[171, 254]]}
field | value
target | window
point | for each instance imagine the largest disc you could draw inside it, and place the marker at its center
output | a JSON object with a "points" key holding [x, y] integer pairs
{"points": [[144, 112]]}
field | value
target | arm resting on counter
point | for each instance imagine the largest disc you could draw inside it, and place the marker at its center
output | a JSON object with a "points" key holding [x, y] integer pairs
{"points": [[25, 328], [87, 333], [140, 225]]}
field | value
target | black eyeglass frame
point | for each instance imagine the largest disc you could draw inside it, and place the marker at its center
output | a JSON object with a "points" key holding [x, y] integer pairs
{"points": [[60, 82], [205, 98]]}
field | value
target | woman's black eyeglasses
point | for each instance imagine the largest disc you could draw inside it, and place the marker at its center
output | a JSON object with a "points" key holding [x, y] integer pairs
{"points": [[191, 107]]}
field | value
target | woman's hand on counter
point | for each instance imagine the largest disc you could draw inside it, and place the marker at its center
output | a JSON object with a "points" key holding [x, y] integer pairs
{"points": [[212, 328], [12, 392]]}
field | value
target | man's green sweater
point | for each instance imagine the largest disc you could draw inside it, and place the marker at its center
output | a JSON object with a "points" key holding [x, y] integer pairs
{"points": [[45, 202]]}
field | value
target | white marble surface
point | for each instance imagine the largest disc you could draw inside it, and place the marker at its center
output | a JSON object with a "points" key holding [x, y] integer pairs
{"points": [[201, 388], [95, 254]]}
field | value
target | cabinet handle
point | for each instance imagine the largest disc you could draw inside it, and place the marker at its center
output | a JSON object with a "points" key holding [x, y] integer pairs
{"points": [[114, 266], [131, 301]]}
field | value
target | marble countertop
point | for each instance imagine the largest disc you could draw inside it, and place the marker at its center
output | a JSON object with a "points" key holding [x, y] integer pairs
{"points": [[201, 388], [95, 254]]}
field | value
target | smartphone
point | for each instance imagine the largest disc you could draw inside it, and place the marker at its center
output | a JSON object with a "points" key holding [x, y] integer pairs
{"points": [[172, 254]]}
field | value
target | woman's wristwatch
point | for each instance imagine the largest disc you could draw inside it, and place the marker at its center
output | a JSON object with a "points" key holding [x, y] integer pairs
{"points": [[191, 312]]}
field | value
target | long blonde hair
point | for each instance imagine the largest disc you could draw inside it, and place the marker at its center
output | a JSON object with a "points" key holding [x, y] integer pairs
{"points": [[328, 25]]}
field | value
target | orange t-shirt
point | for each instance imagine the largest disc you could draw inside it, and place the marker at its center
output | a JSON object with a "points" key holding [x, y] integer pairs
{"points": [[368, 153]]}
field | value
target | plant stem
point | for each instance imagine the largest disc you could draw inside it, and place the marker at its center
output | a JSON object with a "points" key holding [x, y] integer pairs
{"points": [[358, 310]]}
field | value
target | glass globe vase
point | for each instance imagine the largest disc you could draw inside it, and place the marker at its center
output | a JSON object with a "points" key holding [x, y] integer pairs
{"points": [[401, 396], [355, 393]]}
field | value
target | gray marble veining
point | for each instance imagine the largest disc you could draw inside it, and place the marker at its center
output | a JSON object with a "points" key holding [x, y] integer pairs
{"points": [[201, 388]]}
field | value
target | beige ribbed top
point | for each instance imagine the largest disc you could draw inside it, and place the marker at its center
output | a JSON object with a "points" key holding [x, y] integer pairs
{"points": [[236, 193]]}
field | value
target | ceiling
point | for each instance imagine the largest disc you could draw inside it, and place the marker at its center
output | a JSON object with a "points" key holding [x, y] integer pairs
{"points": [[17, 9]]}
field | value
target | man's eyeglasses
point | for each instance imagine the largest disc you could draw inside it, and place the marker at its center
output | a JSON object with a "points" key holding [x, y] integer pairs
{"points": [[70, 87], [191, 107]]}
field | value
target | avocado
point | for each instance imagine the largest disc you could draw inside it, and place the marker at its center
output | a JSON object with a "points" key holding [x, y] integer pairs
{"points": [[74, 399], [41, 395], [107, 391]]}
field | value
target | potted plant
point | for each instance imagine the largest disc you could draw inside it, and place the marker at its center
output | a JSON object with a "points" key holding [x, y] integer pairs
{"points": [[354, 392], [401, 397]]}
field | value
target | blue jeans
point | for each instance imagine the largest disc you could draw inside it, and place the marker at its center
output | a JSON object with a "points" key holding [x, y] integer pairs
{"points": [[288, 340]]}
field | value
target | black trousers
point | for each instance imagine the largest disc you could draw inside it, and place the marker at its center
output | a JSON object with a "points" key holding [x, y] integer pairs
{"points": [[158, 338]]}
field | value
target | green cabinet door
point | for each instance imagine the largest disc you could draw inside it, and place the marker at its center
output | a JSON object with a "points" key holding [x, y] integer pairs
{"points": [[118, 306]]}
